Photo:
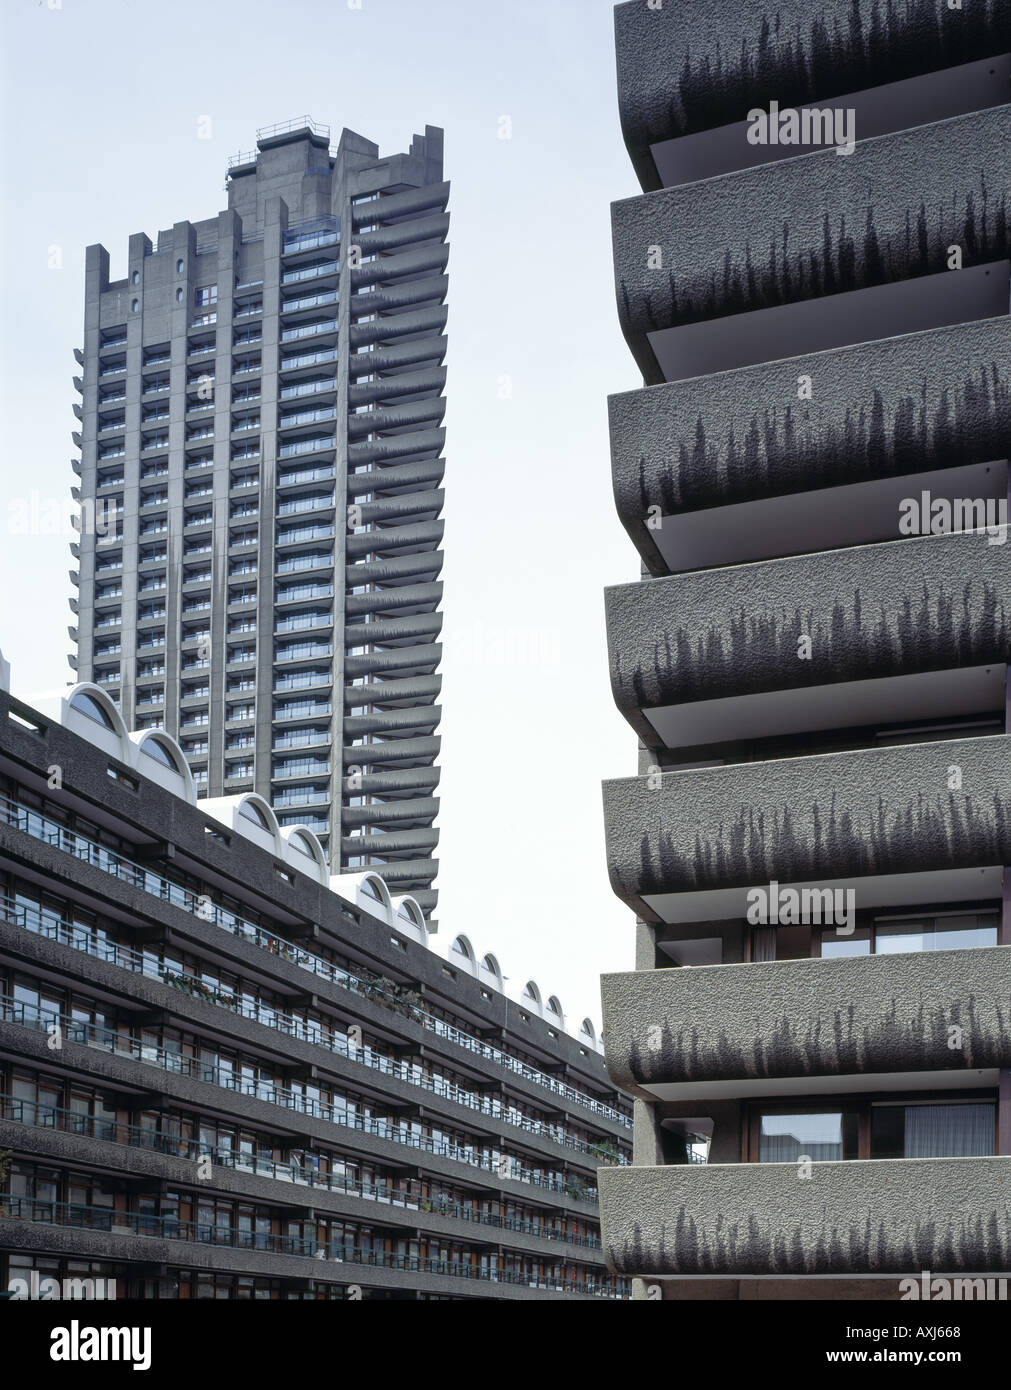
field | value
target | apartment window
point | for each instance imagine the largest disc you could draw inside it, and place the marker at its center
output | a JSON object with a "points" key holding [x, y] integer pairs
{"points": [[892, 935], [821, 1137], [945, 1126], [204, 295], [952, 1130], [936, 934]]}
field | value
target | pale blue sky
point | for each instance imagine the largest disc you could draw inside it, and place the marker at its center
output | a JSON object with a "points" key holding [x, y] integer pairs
{"points": [[103, 99]]}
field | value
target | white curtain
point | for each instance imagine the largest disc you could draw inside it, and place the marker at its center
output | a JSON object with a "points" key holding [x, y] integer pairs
{"points": [[763, 943], [949, 1131]]}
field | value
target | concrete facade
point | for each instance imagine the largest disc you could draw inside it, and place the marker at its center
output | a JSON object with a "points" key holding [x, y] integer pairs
{"points": [[225, 1074], [261, 439], [815, 662]]}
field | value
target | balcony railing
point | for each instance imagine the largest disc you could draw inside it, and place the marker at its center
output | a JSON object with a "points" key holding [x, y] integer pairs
{"points": [[308, 241], [306, 359], [32, 822], [304, 1030], [171, 1228], [320, 444], [309, 272], [409, 1193], [124, 1046], [308, 330], [308, 301]]}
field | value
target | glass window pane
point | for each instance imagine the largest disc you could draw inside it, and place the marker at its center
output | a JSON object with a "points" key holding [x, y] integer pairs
{"points": [[949, 1131], [940, 934], [833, 946], [821, 1137]]}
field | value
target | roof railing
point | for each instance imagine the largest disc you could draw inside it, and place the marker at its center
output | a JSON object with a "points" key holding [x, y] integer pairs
{"points": [[269, 132]]}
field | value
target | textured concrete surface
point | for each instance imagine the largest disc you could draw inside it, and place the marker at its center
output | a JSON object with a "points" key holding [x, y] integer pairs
{"points": [[291, 181], [925, 604], [913, 403], [881, 810], [880, 1216], [881, 1013], [39, 1238], [691, 65], [49, 1145], [816, 225], [302, 909]]}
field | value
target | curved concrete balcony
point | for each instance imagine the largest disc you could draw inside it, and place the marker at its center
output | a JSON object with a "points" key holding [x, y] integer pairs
{"points": [[671, 1034], [429, 378], [918, 629], [418, 565], [817, 227], [411, 751], [408, 261], [420, 810], [801, 53], [397, 446], [412, 628], [415, 690], [420, 718], [423, 505], [415, 597], [389, 298], [431, 319], [420, 660], [686, 846], [415, 535], [387, 357], [401, 782], [429, 470], [435, 228], [399, 842], [879, 1216], [728, 468], [429, 197], [419, 413], [409, 871]]}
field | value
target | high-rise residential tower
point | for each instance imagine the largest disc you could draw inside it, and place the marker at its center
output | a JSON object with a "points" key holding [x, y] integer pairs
{"points": [[261, 403], [815, 285]]}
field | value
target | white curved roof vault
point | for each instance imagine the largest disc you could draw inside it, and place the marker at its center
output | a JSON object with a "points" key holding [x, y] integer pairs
{"points": [[229, 811], [491, 968], [531, 997], [304, 852], [408, 914], [111, 737], [296, 845], [153, 767], [353, 888], [462, 947]]}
